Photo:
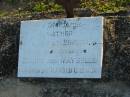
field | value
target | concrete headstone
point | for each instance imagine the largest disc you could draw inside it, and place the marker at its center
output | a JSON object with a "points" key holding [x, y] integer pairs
{"points": [[61, 48]]}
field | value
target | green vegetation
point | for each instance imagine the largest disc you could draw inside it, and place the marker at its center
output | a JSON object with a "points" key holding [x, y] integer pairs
{"points": [[105, 6], [39, 7], [45, 6]]}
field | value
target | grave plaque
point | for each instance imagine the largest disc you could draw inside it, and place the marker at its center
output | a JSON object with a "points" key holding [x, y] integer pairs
{"points": [[61, 48]]}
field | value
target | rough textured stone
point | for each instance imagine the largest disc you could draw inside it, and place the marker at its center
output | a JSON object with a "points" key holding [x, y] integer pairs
{"points": [[115, 72]]}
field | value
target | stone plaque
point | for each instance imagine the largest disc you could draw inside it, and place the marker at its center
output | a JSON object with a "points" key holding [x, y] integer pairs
{"points": [[61, 48]]}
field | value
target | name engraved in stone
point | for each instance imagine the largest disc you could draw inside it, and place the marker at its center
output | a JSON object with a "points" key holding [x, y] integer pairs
{"points": [[64, 24]]}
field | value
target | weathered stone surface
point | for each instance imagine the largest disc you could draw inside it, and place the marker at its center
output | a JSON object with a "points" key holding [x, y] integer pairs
{"points": [[115, 73]]}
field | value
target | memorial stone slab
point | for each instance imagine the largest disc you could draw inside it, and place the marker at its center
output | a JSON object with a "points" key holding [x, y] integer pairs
{"points": [[61, 48]]}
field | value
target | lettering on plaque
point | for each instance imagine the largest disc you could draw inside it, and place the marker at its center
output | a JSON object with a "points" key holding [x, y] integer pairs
{"points": [[61, 48]]}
